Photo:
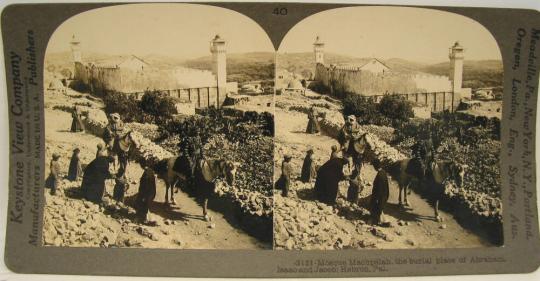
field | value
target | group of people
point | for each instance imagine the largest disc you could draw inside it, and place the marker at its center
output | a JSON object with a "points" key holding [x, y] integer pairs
{"points": [[328, 176], [98, 171]]}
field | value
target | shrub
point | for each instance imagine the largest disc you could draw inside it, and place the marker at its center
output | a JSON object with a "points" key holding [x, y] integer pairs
{"points": [[319, 87], [213, 122], [154, 107], [390, 111], [463, 141], [79, 86], [362, 107], [395, 108], [126, 106], [159, 106]]}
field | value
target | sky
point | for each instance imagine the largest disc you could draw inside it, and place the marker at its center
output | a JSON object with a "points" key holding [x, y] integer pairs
{"points": [[174, 30], [415, 34]]}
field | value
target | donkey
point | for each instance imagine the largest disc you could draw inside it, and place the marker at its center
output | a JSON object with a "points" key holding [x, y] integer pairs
{"points": [[436, 174], [439, 172], [408, 170], [174, 169]]}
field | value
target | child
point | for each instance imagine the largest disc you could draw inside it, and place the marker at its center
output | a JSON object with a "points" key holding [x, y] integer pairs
{"points": [[53, 179], [334, 153], [120, 188], [284, 181], [100, 150], [354, 186]]}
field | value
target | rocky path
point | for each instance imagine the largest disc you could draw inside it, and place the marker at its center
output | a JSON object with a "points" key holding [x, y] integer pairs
{"points": [[302, 223], [72, 221]]}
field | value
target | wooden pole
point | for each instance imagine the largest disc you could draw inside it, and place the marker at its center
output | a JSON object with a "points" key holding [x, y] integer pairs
{"points": [[199, 97], [208, 96], [453, 93], [435, 102], [443, 100]]}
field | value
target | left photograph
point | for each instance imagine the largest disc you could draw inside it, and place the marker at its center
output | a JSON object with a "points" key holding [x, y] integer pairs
{"points": [[159, 129]]}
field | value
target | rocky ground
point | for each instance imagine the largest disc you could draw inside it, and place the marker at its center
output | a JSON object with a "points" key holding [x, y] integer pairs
{"points": [[300, 222], [73, 222]]}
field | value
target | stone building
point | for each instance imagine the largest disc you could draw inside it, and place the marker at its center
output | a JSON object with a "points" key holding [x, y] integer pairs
{"points": [[374, 78], [132, 75]]}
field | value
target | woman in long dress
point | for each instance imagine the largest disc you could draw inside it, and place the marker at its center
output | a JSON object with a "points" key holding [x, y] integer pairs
{"points": [[75, 169], [309, 168], [95, 174]]}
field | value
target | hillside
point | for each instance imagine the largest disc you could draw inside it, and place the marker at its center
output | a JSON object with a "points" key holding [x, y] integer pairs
{"points": [[240, 67], [477, 74]]}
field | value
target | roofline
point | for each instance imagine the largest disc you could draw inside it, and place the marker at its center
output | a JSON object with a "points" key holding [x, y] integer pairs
{"points": [[138, 59], [376, 60]]}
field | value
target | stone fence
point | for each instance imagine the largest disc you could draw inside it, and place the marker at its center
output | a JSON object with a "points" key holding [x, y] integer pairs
{"points": [[253, 209]]}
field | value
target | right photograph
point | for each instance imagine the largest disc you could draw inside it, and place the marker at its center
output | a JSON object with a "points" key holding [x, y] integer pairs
{"points": [[387, 132]]}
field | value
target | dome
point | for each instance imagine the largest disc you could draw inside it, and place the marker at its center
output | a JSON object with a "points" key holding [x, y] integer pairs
{"points": [[55, 84], [295, 84]]}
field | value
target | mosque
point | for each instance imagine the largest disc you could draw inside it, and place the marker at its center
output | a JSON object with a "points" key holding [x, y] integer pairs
{"points": [[132, 75]]}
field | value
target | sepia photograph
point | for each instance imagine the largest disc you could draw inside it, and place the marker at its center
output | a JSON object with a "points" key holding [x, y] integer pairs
{"points": [[387, 125], [159, 129]]}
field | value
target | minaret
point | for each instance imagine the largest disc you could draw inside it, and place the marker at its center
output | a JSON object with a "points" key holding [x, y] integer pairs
{"points": [[456, 66], [75, 50], [219, 68], [318, 49]]}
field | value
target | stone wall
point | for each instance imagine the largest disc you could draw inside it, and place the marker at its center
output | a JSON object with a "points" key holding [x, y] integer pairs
{"points": [[101, 79], [200, 91], [433, 91]]}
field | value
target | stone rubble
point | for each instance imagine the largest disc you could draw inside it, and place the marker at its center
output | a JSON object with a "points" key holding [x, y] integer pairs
{"points": [[309, 225]]}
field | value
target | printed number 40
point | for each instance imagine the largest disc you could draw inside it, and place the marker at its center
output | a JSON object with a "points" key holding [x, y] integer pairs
{"points": [[280, 11]]}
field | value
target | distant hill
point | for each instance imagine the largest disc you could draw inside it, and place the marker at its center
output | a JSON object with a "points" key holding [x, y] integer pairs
{"points": [[240, 67], [476, 74]]}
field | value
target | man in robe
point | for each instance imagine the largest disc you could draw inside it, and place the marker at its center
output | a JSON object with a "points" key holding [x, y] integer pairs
{"points": [[146, 194], [379, 194], [347, 133], [113, 131]]}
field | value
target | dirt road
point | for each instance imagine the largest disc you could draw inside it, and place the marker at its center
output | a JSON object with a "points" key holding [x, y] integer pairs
{"points": [[71, 221], [410, 227]]}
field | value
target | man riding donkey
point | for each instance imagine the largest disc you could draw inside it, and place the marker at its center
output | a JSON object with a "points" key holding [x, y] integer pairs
{"points": [[347, 133], [117, 140], [113, 131], [423, 153]]}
